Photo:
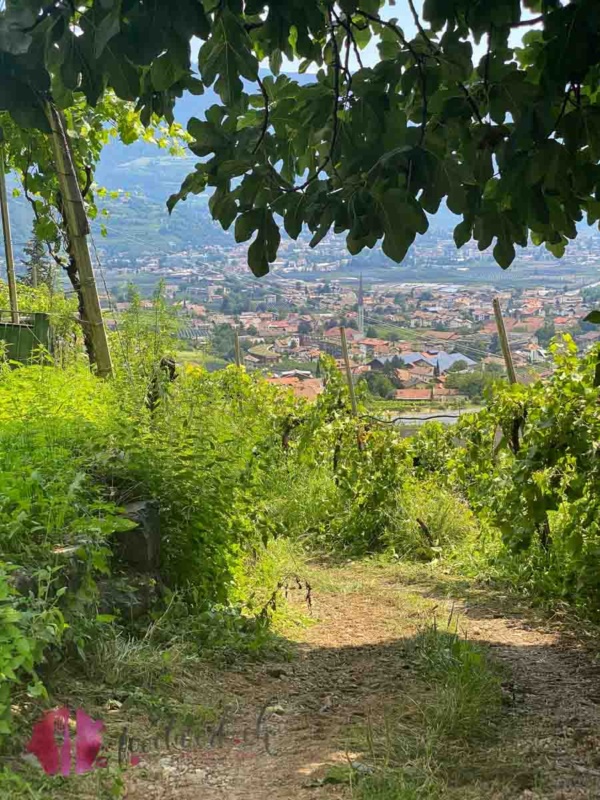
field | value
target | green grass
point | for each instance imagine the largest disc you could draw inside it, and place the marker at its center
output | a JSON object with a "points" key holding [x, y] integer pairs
{"points": [[423, 748], [198, 358], [407, 334], [431, 406]]}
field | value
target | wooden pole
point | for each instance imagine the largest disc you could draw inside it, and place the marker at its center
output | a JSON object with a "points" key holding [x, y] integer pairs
{"points": [[238, 352], [348, 370], [510, 367], [78, 228], [8, 249]]}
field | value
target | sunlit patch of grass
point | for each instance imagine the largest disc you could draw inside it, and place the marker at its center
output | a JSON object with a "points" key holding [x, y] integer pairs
{"points": [[349, 576], [468, 686]]}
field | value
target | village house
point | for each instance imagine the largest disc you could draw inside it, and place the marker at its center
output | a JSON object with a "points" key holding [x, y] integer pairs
{"points": [[306, 388], [264, 354], [375, 347]]}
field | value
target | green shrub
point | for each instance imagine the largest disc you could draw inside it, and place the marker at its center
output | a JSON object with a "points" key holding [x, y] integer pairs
{"points": [[432, 521], [427, 736], [28, 626], [205, 455], [538, 481]]}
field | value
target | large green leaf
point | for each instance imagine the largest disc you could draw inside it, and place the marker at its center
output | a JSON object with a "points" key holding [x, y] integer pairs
{"points": [[108, 27], [397, 218], [462, 233], [227, 56], [504, 252], [263, 249], [247, 223], [223, 207], [166, 71]]}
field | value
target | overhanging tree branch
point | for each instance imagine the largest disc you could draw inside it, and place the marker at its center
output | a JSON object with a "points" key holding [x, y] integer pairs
{"points": [[350, 38], [418, 58], [524, 23], [337, 65], [439, 56], [337, 68], [265, 124]]}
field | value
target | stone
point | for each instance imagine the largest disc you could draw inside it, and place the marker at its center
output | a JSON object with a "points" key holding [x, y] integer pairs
{"points": [[139, 547]]}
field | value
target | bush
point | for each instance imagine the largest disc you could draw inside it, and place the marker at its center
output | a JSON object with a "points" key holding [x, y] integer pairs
{"points": [[433, 521], [205, 456], [28, 626], [537, 481], [73, 449]]}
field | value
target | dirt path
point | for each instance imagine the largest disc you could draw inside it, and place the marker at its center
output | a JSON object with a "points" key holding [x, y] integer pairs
{"points": [[555, 698], [288, 723]]}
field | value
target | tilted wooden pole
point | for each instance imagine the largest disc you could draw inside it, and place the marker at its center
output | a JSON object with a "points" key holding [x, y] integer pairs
{"points": [[510, 367], [78, 228], [8, 249], [348, 370], [238, 352]]}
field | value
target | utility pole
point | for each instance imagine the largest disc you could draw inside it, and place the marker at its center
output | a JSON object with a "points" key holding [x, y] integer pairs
{"points": [[348, 370], [510, 367], [78, 228], [8, 250]]}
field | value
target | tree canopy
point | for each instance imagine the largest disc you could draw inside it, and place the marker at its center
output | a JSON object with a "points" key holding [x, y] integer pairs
{"points": [[509, 141], [39, 268]]}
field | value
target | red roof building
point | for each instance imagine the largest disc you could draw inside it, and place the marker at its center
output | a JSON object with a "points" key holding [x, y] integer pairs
{"points": [[308, 388], [413, 394]]}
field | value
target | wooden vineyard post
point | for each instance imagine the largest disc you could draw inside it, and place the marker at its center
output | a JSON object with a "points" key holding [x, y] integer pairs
{"points": [[8, 250], [510, 367], [238, 352], [78, 228], [348, 370], [359, 437]]}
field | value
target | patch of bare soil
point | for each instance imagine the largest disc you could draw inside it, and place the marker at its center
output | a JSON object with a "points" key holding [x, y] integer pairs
{"points": [[290, 722], [554, 694]]}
